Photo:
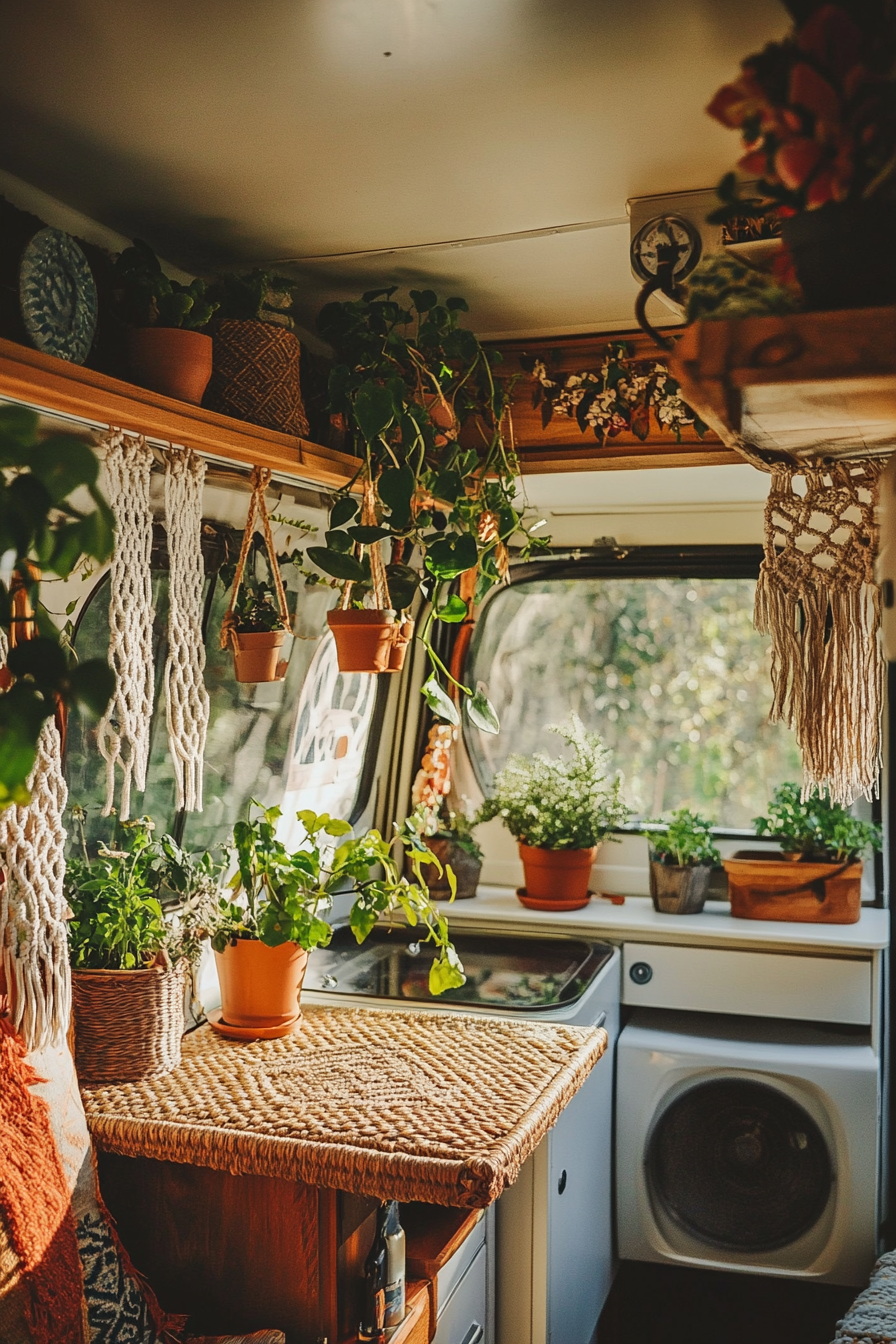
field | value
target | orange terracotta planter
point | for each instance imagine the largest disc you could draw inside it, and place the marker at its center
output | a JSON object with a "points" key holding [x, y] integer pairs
{"points": [[401, 638], [171, 360], [261, 986], [256, 656], [804, 893], [556, 879], [364, 639]]}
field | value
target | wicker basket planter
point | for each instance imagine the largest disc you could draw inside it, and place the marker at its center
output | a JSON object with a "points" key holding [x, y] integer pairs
{"points": [[556, 879], [465, 866], [171, 360], [364, 639], [128, 1024], [256, 376], [817, 893], [679, 890]]}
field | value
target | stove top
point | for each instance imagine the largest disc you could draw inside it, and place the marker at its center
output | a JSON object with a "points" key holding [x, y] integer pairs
{"points": [[527, 975]]}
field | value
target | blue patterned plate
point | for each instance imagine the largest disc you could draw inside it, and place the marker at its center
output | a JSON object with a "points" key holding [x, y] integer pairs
{"points": [[58, 296]]}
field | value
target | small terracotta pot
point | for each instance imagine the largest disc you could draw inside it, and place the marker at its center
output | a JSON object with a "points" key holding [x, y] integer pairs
{"points": [[256, 656], [679, 890], [556, 879], [814, 893], [171, 360], [261, 986], [364, 639], [465, 867], [401, 638]]}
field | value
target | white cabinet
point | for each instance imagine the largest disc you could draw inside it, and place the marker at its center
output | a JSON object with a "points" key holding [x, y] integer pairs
{"points": [[554, 1226], [463, 1318]]}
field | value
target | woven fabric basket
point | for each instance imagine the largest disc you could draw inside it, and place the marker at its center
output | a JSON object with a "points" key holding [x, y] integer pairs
{"points": [[255, 376], [128, 1024]]}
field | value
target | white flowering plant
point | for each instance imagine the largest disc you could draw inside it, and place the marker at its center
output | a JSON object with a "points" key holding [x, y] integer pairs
{"points": [[549, 802]]}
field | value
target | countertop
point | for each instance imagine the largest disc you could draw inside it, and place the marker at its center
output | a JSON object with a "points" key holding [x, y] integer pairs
{"points": [[496, 909]]}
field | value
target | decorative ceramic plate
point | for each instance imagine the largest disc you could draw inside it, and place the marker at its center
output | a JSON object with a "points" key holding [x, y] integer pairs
{"points": [[58, 296]]}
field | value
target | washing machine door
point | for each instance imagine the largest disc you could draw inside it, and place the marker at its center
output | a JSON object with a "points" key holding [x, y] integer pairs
{"points": [[739, 1165]]}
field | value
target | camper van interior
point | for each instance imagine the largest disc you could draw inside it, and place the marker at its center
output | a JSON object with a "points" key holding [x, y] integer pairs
{"points": [[447, 561]]}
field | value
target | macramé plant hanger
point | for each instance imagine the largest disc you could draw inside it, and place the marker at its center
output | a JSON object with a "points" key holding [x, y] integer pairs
{"points": [[257, 620]]}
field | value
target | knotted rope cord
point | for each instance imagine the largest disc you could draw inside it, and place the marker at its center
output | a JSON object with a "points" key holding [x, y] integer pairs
{"points": [[817, 599], [381, 599], [186, 699], [33, 909], [123, 735], [258, 513]]}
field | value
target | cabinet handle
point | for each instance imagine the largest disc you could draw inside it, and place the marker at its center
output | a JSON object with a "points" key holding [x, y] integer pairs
{"points": [[561, 1184], [475, 1334]]}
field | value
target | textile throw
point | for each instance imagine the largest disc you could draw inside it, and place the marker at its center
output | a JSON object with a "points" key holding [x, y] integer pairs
{"points": [[186, 699], [817, 599], [123, 735]]}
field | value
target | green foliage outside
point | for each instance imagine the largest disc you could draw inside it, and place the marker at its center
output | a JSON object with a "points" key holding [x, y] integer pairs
{"points": [[818, 830]]}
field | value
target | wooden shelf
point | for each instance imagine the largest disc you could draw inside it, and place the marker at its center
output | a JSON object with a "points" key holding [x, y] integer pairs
{"points": [[55, 385], [785, 388]]}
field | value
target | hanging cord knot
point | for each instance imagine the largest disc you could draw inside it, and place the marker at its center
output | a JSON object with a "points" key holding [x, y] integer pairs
{"points": [[258, 514]]}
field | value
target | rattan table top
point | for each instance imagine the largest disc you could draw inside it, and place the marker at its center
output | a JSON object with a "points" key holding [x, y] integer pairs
{"points": [[443, 1108]]}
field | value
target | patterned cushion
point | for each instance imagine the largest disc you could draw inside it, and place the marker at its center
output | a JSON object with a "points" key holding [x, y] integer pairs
{"points": [[872, 1317]]}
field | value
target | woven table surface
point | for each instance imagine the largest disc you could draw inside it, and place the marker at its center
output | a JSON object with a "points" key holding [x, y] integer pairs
{"points": [[397, 1105]]}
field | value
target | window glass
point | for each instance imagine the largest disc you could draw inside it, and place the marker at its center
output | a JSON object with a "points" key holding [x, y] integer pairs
{"points": [[670, 671]]}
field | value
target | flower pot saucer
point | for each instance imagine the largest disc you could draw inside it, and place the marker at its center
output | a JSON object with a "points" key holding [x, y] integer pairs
{"points": [[536, 903], [217, 1023]]}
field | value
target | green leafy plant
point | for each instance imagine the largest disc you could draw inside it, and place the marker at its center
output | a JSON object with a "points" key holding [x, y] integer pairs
{"points": [[419, 397], [43, 531], [118, 921], [283, 896], [146, 297], [683, 841], [553, 803], [256, 609], [457, 826], [816, 829], [254, 296]]}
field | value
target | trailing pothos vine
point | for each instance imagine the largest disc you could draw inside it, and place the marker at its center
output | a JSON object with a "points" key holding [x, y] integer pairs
{"points": [[419, 398]]}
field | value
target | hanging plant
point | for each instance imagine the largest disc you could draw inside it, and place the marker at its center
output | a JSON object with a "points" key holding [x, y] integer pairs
{"points": [[423, 408], [257, 620]]}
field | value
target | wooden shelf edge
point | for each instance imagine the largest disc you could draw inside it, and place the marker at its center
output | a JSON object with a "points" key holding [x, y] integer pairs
{"points": [[68, 389], [546, 461]]}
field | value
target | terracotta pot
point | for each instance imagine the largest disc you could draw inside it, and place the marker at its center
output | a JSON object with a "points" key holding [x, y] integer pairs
{"points": [[466, 869], [817, 893], [843, 254], [256, 656], [401, 638], [261, 986], [171, 360], [679, 890], [556, 879], [364, 639]]}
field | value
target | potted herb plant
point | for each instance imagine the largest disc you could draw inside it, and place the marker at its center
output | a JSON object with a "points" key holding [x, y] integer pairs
{"points": [[256, 371], [560, 811], [257, 618], [682, 857], [816, 114], [423, 409], [447, 831], [819, 879], [129, 962], [262, 935], [168, 350]]}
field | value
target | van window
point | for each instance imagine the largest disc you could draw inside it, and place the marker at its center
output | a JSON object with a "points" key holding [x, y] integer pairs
{"points": [[668, 669]]}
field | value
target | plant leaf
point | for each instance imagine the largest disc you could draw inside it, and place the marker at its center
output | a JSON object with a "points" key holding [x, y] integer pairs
{"points": [[343, 511], [337, 566], [439, 701], [454, 610], [366, 535], [374, 410], [482, 714]]}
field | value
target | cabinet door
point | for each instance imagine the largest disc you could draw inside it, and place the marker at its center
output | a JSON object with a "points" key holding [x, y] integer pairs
{"points": [[579, 1210], [463, 1318]]}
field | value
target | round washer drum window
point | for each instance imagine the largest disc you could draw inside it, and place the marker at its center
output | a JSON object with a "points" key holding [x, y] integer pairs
{"points": [[739, 1165]]}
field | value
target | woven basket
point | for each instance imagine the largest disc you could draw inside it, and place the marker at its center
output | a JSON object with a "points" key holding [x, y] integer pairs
{"points": [[128, 1024], [255, 376]]}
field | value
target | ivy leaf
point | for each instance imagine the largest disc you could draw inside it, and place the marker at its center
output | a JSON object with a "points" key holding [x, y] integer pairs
{"points": [[396, 489], [343, 511], [457, 305], [337, 566], [93, 684], [362, 921], [481, 713], [446, 972], [62, 463], [449, 557], [424, 299], [374, 410], [366, 535], [338, 541], [403, 583], [454, 610], [439, 701]]}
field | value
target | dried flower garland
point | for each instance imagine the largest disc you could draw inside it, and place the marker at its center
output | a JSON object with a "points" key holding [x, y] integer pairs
{"points": [[617, 399]]}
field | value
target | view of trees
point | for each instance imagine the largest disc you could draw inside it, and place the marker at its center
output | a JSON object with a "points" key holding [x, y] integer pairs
{"points": [[669, 671]]}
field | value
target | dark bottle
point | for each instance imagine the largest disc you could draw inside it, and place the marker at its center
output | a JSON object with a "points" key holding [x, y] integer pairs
{"points": [[372, 1329]]}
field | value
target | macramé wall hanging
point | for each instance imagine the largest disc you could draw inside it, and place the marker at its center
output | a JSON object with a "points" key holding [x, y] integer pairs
{"points": [[33, 942], [123, 735], [817, 599], [186, 699]]}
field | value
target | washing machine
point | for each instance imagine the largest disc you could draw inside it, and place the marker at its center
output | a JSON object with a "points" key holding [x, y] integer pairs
{"points": [[748, 1144]]}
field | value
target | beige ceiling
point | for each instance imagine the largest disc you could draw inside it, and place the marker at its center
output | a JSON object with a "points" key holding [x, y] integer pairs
{"points": [[235, 131]]}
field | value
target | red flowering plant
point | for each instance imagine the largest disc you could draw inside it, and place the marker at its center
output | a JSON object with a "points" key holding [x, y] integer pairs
{"points": [[817, 113]]}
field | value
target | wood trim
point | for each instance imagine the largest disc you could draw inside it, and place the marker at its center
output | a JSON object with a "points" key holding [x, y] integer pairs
{"points": [[545, 461], [55, 385]]}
